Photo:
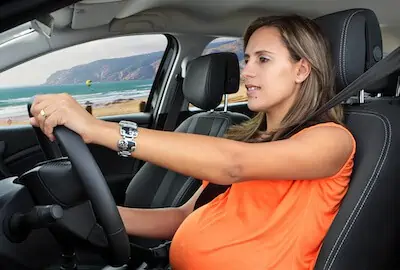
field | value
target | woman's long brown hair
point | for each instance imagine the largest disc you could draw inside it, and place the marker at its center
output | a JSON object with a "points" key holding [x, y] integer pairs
{"points": [[304, 40]]}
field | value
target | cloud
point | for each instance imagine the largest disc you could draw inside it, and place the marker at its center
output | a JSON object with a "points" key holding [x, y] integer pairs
{"points": [[38, 70]]}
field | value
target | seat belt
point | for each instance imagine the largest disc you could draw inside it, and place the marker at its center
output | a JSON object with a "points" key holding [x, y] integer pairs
{"points": [[380, 70], [173, 115]]}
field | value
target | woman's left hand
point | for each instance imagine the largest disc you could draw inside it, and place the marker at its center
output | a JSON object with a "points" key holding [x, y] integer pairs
{"points": [[52, 110]]}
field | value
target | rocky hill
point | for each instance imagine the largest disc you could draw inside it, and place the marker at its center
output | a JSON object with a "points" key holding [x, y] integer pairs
{"points": [[137, 67]]}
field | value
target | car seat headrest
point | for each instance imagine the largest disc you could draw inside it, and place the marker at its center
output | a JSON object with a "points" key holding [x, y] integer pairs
{"points": [[209, 77], [356, 42]]}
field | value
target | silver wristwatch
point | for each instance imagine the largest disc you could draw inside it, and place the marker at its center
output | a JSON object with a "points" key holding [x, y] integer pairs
{"points": [[127, 144]]}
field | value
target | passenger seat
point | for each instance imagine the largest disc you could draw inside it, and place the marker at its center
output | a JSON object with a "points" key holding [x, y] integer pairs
{"points": [[208, 79]]}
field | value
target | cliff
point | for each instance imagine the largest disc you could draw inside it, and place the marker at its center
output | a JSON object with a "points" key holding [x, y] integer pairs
{"points": [[137, 67]]}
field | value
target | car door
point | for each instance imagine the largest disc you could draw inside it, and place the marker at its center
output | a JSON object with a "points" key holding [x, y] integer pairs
{"points": [[114, 79]]}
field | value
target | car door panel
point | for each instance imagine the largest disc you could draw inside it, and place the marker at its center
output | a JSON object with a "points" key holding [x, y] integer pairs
{"points": [[21, 150]]}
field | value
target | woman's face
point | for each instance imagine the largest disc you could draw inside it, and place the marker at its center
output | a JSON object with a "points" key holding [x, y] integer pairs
{"points": [[271, 77]]}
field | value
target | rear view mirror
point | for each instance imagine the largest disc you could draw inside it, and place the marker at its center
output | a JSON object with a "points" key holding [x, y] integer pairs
{"points": [[43, 25]]}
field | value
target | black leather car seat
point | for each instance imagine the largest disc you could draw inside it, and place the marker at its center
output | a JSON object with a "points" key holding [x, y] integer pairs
{"points": [[365, 233], [208, 78]]}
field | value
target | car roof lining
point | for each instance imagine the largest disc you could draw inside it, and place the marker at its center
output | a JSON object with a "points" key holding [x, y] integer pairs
{"points": [[218, 17]]}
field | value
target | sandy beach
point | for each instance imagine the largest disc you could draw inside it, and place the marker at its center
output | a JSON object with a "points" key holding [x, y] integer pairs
{"points": [[114, 108], [119, 107]]}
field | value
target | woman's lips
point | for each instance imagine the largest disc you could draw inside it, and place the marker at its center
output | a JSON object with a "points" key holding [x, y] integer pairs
{"points": [[252, 90]]}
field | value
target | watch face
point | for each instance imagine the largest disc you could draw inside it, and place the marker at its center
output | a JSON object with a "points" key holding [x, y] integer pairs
{"points": [[129, 132]]}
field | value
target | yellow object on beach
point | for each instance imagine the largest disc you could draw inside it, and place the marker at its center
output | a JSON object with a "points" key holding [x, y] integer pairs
{"points": [[88, 83]]}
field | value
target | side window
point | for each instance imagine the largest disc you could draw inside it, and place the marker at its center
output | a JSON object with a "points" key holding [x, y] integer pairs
{"points": [[108, 77], [390, 40], [234, 45]]}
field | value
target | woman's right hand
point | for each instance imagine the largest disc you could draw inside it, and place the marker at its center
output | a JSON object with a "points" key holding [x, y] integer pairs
{"points": [[52, 110]]}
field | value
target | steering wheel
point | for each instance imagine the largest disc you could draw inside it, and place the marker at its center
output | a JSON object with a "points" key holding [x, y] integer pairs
{"points": [[96, 188]]}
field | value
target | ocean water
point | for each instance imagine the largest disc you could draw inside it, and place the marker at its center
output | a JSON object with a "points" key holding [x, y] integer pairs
{"points": [[13, 100]]}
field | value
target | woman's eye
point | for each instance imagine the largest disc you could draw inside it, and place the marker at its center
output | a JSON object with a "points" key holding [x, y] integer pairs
{"points": [[263, 59]]}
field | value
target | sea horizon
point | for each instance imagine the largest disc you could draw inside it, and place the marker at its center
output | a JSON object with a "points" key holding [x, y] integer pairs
{"points": [[13, 100]]}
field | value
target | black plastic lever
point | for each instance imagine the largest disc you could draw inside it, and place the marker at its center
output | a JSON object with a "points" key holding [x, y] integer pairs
{"points": [[19, 225]]}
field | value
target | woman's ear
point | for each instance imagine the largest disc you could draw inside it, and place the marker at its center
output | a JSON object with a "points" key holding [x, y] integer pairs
{"points": [[303, 70]]}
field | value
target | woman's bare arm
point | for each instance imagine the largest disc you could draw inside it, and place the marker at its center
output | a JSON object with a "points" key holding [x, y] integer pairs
{"points": [[316, 153], [159, 223]]}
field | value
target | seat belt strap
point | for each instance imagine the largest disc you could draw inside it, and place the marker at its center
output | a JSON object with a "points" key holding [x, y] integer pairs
{"points": [[380, 70], [173, 115]]}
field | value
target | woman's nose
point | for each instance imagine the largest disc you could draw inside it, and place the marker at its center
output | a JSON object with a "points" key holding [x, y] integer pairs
{"points": [[247, 71]]}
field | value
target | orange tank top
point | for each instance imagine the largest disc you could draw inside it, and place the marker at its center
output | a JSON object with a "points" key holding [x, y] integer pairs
{"points": [[263, 224]]}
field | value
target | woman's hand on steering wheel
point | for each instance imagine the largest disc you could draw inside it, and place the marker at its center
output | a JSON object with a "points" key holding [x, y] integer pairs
{"points": [[52, 110]]}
